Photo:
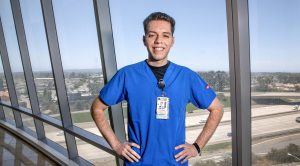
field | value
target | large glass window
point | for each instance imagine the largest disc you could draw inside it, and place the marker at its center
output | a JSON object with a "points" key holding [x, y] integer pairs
{"points": [[4, 95], [28, 122], [39, 56], [275, 81], [56, 135], [17, 152], [200, 44], [9, 116], [93, 154], [80, 56], [14, 53]]}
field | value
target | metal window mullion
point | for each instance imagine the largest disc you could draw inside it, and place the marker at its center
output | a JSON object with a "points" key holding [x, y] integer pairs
{"points": [[239, 59], [58, 75], [2, 114], [9, 78], [17, 151], [109, 64], [21, 36], [2, 138]]}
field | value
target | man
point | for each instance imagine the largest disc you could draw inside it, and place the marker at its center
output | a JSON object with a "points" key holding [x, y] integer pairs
{"points": [[157, 92]]}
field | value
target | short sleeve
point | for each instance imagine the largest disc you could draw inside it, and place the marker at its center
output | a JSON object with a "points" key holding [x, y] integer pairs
{"points": [[201, 94], [114, 91]]}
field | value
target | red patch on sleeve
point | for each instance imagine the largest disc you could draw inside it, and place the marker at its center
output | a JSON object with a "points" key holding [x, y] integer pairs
{"points": [[207, 87]]}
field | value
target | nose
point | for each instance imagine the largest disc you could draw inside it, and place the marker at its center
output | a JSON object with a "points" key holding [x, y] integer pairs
{"points": [[158, 39]]}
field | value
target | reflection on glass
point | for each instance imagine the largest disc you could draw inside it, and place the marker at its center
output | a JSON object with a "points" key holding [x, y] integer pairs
{"points": [[80, 55], [275, 81], [39, 56], [8, 155], [14, 53], [94, 154], [15, 151], [54, 134], [200, 44], [8, 139], [30, 154]]}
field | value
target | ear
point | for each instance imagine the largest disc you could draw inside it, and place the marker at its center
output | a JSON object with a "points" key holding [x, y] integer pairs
{"points": [[173, 41], [144, 40]]}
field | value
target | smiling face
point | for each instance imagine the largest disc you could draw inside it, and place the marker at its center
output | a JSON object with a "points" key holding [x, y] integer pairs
{"points": [[158, 41]]}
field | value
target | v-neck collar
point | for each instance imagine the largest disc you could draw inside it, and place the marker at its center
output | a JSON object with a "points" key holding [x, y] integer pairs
{"points": [[152, 77]]}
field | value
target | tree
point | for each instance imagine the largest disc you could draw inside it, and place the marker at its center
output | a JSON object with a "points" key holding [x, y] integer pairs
{"points": [[222, 80], [218, 80], [264, 83], [281, 155], [293, 149]]}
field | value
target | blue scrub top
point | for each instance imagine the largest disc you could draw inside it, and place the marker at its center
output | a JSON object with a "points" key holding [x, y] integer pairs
{"points": [[138, 86]]}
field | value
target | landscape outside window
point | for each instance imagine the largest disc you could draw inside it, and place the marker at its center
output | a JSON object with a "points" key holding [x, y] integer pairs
{"points": [[4, 95], [56, 135], [94, 155], [275, 81], [39, 57], [14, 53], [80, 55], [200, 44]]}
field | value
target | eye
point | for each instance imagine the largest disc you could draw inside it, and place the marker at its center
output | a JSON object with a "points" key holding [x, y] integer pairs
{"points": [[166, 36], [150, 35]]}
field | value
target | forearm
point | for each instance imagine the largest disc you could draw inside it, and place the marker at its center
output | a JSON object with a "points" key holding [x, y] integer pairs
{"points": [[105, 128], [209, 128]]}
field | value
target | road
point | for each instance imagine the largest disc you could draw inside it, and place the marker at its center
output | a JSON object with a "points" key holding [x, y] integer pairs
{"points": [[278, 120], [280, 142]]}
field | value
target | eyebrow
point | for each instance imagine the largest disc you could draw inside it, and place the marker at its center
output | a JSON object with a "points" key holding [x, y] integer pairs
{"points": [[169, 33]]}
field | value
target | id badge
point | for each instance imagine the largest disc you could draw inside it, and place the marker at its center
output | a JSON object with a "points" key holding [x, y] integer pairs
{"points": [[162, 108]]}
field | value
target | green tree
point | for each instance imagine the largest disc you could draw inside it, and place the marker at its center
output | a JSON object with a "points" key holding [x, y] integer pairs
{"points": [[264, 83], [281, 155]]}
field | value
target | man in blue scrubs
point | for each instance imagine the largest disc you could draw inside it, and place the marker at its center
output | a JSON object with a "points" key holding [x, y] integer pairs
{"points": [[157, 92]]}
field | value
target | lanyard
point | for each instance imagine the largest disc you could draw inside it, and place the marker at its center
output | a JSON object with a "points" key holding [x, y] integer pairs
{"points": [[161, 85]]}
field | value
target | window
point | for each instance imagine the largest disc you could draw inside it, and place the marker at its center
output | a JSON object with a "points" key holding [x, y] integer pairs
{"points": [[14, 53], [39, 56], [28, 122], [275, 81], [56, 135], [200, 44], [80, 55], [4, 95], [93, 154]]}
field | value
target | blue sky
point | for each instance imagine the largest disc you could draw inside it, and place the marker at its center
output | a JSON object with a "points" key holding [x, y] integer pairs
{"points": [[275, 35], [200, 34]]}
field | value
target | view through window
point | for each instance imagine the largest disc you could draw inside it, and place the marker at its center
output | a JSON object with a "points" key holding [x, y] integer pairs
{"points": [[39, 57], [14, 53], [275, 81], [200, 44]]}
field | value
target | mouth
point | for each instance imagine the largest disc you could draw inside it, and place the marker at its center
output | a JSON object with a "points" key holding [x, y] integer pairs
{"points": [[158, 48]]}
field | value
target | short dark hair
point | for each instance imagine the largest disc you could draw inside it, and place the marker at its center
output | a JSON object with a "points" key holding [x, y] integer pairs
{"points": [[159, 16]]}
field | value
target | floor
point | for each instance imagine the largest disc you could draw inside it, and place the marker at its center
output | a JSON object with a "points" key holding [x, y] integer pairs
{"points": [[16, 152]]}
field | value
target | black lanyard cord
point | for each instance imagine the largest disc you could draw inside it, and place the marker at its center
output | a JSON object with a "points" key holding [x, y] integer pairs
{"points": [[161, 84]]}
